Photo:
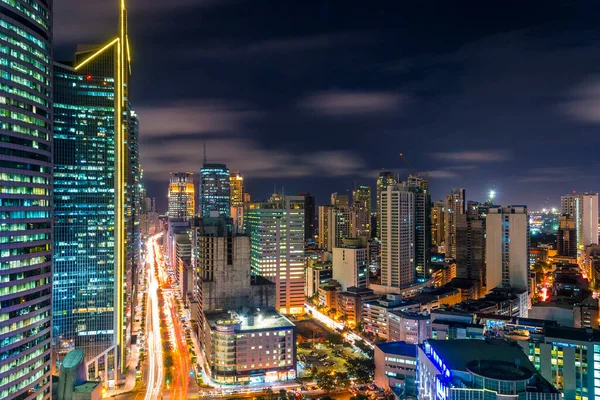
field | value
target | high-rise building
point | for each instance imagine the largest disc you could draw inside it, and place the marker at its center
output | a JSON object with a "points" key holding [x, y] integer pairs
{"points": [[25, 202], [276, 230], [310, 220], [323, 236], [340, 200], [566, 237], [385, 179], [335, 224], [361, 202], [181, 196], [455, 205], [215, 192], [236, 200], [507, 247], [94, 135], [350, 263], [438, 233], [470, 249], [405, 233], [583, 208]]}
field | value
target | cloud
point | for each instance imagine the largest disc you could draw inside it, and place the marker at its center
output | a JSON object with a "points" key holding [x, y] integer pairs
{"points": [[474, 156], [254, 160], [556, 175], [440, 174], [341, 103], [584, 104], [198, 117]]}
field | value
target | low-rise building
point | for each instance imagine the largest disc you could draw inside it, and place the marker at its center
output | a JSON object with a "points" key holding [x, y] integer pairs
{"points": [[396, 367], [478, 369], [328, 294], [375, 314], [409, 327], [250, 345], [349, 304], [317, 274]]}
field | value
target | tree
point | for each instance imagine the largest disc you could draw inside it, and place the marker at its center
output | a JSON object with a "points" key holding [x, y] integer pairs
{"points": [[359, 396], [342, 379], [325, 381], [362, 369]]}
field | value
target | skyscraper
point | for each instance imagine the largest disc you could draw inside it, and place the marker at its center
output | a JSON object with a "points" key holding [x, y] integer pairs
{"points": [[385, 179], [566, 237], [25, 202], [507, 248], [455, 205], [361, 202], [276, 231], [406, 233], [236, 200], [215, 195], [438, 233], [470, 248], [93, 139], [181, 196], [583, 208], [310, 219], [335, 224]]}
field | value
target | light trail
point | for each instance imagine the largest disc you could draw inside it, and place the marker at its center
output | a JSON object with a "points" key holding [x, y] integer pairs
{"points": [[330, 323]]}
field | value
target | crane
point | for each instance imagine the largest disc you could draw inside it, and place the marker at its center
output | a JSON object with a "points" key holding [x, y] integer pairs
{"points": [[410, 168]]}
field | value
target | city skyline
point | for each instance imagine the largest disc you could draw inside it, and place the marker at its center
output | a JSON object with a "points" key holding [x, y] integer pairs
{"points": [[452, 92]]}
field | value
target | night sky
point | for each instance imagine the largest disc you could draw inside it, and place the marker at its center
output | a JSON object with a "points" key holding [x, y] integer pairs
{"points": [[315, 95]]}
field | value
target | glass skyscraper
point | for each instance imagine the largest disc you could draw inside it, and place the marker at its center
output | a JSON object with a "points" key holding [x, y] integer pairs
{"points": [[25, 202], [215, 190], [95, 136]]}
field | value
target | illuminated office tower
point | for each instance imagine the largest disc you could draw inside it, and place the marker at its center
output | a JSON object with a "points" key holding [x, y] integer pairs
{"points": [[335, 224], [94, 131], [323, 233], [361, 202], [181, 195], [25, 202], [437, 224], [583, 208], [276, 231], [215, 190], [385, 179], [405, 233], [236, 199], [455, 205]]}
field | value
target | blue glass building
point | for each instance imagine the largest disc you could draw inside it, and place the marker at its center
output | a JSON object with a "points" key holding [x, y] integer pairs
{"points": [[95, 142], [215, 190], [25, 202]]}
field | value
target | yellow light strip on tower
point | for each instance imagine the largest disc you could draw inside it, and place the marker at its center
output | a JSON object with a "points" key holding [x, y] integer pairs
{"points": [[128, 54], [96, 54]]}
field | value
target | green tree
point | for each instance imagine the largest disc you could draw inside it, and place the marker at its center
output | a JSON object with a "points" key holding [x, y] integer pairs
{"points": [[325, 381], [361, 369], [342, 379]]}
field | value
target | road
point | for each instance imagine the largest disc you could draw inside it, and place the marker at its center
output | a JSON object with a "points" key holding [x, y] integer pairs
{"points": [[331, 324]]}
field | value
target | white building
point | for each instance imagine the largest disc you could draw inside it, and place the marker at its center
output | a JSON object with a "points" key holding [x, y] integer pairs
{"points": [[396, 368], [376, 313], [276, 231], [507, 248], [409, 327], [350, 264], [583, 208]]}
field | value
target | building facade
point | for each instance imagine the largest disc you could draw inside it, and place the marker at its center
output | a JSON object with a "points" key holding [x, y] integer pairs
{"points": [[438, 232], [310, 218], [583, 208], [454, 205], [350, 264], [181, 196], [92, 141], [566, 237], [470, 250], [385, 179], [396, 368], [25, 198], [215, 191], [276, 230], [361, 202], [236, 200]]}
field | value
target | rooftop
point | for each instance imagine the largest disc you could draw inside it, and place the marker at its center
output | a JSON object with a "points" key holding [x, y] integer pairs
{"points": [[250, 319], [575, 334], [86, 387], [398, 348]]}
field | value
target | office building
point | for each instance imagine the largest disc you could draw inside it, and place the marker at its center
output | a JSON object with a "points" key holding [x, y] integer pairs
{"points": [[310, 218], [317, 274], [25, 202], [566, 237], [375, 313], [215, 193], [93, 134], [254, 345], [361, 203], [569, 358], [350, 263], [349, 304], [438, 232], [396, 368], [181, 196], [478, 369], [236, 201], [385, 179], [583, 208], [408, 326], [470, 250], [405, 233], [323, 233], [507, 248], [454, 205], [340, 200], [335, 225], [276, 230]]}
